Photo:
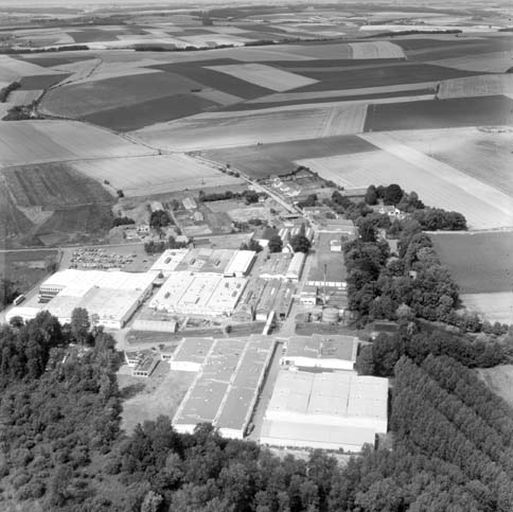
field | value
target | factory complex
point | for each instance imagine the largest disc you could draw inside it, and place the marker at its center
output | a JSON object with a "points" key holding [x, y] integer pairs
{"points": [[231, 373]]}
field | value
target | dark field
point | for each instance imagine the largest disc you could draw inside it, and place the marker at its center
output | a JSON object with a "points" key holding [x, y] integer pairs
{"points": [[88, 98], [294, 65], [359, 97], [480, 262], [432, 44], [25, 268], [58, 60], [133, 117], [31, 83], [263, 161], [484, 111], [221, 81], [380, 76]]}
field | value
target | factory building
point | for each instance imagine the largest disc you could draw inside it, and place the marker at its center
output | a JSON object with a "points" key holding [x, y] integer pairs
{"points": [[168, 261], [296, 267], [186, 293], [333, 410], [230, 376], [327, 352], [109, 297]]}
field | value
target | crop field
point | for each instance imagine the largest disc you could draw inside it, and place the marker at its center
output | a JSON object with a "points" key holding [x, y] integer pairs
{"points": [[494, 62], [484, 154], [265, 76], [376, 50], [378, 76], [280, 158], [149, 175], [26, 142], [29, 83], [207, 131], [12, 69], [484, 85], [91, 97], [438, 184], [485, 111], [134, 117], [478, 262], [19, 97], [494, 307]]}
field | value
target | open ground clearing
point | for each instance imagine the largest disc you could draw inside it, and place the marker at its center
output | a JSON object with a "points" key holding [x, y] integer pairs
{"points": [[494, 307], [265, 76], [478, 262], [154, 174], [499, 380], [483, 85], [209, 131], [484, 111], [26, 142], [263, 161], [484, 154]]}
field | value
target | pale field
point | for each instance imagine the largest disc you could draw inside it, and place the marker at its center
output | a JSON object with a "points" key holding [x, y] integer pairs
{"points": [[312, 95], [483, 205], [208, 131], [495, 62], [219, 97], [219, 39], [376, 50], [13, 69], [28, 142], [484, 85], [494, 307], [265, 76], [148, 175], [500, 380], [23, 97], [482, 154], [437, 184]]}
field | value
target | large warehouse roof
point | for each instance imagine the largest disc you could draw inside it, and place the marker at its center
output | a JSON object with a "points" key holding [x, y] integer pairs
{"points": [[227, 386], [325, 410], [169, 260]]}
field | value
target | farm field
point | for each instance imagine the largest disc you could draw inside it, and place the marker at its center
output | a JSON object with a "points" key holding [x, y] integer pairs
{"points": [[26, 142], [207, 131], [494, 62], [50, 203], [149, 175], [26, 268], [485, 111], [280, 158], [484, 154], [494, 307], [478, 262], [483, 85]]}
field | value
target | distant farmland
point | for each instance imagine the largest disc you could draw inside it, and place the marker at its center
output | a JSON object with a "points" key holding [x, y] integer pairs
{"points": [[479, 262]]}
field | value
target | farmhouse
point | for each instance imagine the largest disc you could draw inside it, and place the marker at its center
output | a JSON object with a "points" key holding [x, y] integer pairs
{"points": [[227, 386], [331, 352], [334, 410], [109, 297]]}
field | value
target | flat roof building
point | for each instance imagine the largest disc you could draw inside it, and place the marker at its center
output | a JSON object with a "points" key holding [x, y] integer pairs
{"points": [[336, 410], [169, 260], [296, 267], [240, 264], [191, 354], [227, 386], [329, 352], [110, 297], [186, 293]]}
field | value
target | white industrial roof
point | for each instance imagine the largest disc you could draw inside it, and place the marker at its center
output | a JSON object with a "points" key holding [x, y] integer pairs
{"points": [[296, 264], [169, 260], [240, 263], [335, 394], [78, 282]]}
